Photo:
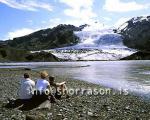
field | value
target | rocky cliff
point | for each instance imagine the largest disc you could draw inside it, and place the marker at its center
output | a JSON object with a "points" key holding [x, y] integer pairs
{"points": [[136, 35]]}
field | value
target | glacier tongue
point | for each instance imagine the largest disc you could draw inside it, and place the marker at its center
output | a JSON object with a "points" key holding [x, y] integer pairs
{"points": [[95, 44], [92, 54]]}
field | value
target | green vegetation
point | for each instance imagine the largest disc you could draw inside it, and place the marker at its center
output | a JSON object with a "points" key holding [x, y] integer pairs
{"points": [[59, 36], [12, 54], [18, 48], [8, 54], [41, 57]]}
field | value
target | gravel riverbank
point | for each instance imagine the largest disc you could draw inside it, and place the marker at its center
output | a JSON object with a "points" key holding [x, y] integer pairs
{"points": [[102, 106]]}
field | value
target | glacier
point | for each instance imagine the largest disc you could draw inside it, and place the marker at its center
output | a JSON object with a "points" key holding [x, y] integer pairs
{"points": [[95, 44]]}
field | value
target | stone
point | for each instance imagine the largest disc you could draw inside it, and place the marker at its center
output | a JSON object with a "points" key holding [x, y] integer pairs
{"points": [[127, 108], [65, 119], [60, 110], [45, 105], [90, 113]]}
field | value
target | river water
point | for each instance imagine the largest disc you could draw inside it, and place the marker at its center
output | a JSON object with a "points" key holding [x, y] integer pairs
{"points": [[131, 75]]}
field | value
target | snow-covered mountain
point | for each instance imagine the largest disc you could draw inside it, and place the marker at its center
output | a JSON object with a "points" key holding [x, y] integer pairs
{"points": [[95, 44], [136, 33]]}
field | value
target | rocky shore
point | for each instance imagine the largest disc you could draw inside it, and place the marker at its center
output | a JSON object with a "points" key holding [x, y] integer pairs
{"points": [[112, 106]]}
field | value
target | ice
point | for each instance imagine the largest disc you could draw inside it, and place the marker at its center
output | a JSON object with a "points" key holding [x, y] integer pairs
{"points": [[95, 44]]}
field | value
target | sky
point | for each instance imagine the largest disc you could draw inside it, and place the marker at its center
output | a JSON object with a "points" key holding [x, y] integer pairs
{"points": [[22, 17]]}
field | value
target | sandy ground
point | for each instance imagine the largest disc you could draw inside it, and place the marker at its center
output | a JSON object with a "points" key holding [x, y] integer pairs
{"points": [[104, 106]]}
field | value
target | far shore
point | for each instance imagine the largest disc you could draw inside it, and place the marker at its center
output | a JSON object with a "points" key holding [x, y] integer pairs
{"points": [[78, 106]]}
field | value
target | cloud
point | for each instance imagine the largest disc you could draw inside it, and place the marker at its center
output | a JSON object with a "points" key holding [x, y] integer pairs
{"points": [[119, 6], [79, 9], [94, 25], [30, 5], [107, 18], [121, 21], [19, 33]]}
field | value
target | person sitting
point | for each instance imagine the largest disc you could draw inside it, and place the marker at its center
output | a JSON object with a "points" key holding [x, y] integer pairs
{"points": [[61, 88], [26, 88], [25, 92], [43, 89]]}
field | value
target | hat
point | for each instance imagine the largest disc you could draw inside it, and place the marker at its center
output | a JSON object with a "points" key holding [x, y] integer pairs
{"points": [[43, 74]]}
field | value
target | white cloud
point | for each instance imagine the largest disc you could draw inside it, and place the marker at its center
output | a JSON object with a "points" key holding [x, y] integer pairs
{"points": [[94, 25], [119, 6], [56, 21], [30, 5], [107, 18], [80, 9], [121, 21], [19, 33]]}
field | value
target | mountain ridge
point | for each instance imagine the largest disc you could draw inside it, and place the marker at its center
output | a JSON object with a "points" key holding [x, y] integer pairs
{"points": [[59, 36]]}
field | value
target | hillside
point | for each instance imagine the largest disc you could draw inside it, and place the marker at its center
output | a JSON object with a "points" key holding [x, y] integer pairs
{"points": [[8, 54], [18, 49], [59, 36], [138, 56], [136, 35]]}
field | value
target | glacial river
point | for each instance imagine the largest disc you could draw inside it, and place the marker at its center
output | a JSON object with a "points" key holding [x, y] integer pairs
{"points": [[131, 75]]}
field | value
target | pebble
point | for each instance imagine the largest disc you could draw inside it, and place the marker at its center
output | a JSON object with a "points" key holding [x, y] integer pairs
{"points": [[65, 119], [59, 114], [108, 108], [70, 105], [90, 113], [143, 111], [49, 114], [127, 108], [60, 110]]}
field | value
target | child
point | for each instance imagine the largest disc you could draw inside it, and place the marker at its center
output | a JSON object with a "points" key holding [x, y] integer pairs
{"points": [[61, 88]]}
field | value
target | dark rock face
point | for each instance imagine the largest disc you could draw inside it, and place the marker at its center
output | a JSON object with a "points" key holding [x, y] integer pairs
{"points": [[41, 57], [136, 33], [138, 56]]}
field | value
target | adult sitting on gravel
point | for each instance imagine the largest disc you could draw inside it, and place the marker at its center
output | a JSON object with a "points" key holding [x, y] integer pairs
{"points": [[61, 88], [25, 92], [26, 88], [43, 89]]}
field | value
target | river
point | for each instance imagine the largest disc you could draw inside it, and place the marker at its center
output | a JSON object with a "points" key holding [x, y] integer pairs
{"points": [[131, 75]]}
